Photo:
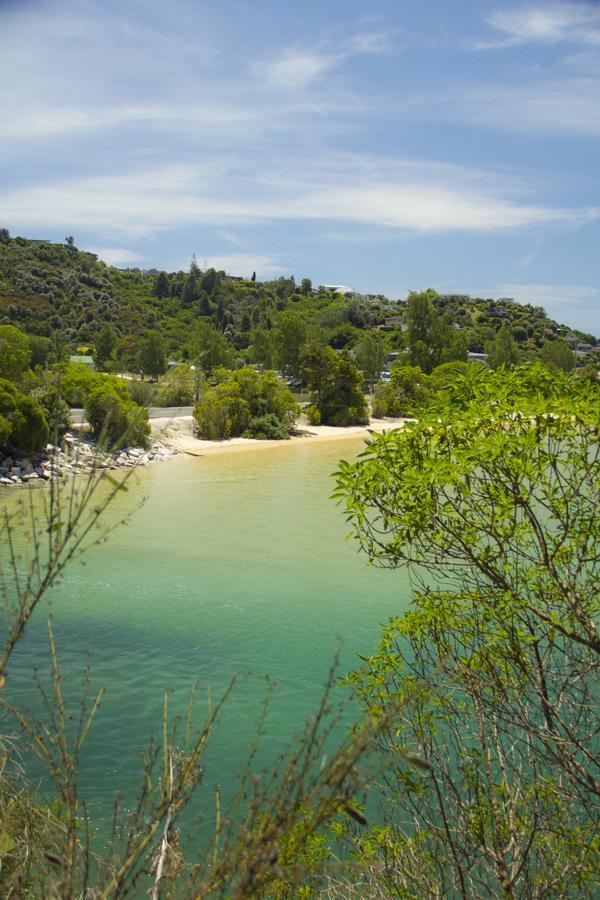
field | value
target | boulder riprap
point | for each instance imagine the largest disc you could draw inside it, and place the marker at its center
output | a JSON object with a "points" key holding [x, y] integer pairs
{"points": [[76, 455]]}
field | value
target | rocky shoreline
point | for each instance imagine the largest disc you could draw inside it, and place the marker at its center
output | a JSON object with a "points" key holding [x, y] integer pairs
{"points": [[76, 455]]}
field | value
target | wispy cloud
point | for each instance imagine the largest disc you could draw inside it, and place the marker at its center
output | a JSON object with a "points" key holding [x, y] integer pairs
{"points": [[346, 188], [244, 264], [566, 106], [547, 23], [297, 68], [114, 256]]}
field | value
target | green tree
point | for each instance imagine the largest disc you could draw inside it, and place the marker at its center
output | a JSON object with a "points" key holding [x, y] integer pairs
{"points": [[306, 287], [152, 354], [15, 354], [335, 384], [246, 403], [113, 417], [161, 286], [317, 363], [490, 500], [191, 289], [74, 381], [502, 351], [291, 334], [23, 425], [56, 411], [558, 355], [408, 389], [127, 354], [106, 340], [41, 349], [423, 332], [370, 355], [210, 281], [210, 348], [262, 349]]}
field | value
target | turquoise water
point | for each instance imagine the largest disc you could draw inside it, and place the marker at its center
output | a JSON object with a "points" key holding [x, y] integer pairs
{"points": [[235, 562]]}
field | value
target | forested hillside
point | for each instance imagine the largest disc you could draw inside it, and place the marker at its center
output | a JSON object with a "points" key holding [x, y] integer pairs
{"points": [[65, 294]]}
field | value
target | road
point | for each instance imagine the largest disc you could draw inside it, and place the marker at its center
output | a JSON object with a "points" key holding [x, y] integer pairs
{"points": [[155, 412]]}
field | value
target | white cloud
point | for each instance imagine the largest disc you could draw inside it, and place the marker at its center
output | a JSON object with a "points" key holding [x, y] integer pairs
{"points": [[570, 106], [114, 256], [243, 264], [371, 42], [352, 189], [296, 68], [51, 120], [548, 23]]}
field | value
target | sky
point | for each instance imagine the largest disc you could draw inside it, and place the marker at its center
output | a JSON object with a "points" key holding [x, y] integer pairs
{"points": [[389, 147]]}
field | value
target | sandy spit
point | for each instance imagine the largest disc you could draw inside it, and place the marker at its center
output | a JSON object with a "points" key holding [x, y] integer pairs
{"points": [[178, 435]]}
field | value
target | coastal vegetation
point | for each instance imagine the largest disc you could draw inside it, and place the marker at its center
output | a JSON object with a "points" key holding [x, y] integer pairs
{"points": [[73, 300], [473, 769], [491, 500], [246, 403]]}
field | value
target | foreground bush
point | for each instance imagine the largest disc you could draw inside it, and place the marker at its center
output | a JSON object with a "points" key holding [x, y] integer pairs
{"points": [[493, 496]]}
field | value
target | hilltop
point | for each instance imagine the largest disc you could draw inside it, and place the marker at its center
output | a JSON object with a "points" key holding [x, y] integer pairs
{"points": [[57, 291]]}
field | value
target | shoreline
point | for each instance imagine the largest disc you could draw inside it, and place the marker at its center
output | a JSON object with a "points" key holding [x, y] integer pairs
{"points": [[177, 435], [78, 455]]}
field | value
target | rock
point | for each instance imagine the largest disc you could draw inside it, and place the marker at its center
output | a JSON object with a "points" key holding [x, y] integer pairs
{"points": [[4, 480]]}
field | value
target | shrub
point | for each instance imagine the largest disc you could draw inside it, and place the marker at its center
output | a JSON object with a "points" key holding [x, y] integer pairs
{"points": [[267, 428], [241, 398], [23, 425], [335, 386], [313, 415], [141, 392], [115, 419], [55, 409], [15, 354], [76, 379]]}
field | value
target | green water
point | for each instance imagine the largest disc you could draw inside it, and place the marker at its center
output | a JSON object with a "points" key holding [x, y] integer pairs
{"points": [[235, 562]]}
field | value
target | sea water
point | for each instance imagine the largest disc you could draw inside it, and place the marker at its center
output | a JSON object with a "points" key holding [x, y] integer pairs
{"points": [[230, 563]]}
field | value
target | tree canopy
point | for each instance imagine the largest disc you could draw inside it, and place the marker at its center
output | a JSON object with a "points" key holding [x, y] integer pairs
{"points": [[491, 501]]}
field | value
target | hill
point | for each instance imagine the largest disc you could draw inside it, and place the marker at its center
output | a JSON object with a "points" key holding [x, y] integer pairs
{"points": [[58, 291]]}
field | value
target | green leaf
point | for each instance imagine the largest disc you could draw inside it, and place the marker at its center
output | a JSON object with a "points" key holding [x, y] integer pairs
{"points": [[7, 843]]}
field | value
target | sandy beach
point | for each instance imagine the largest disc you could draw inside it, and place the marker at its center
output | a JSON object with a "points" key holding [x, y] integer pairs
{"points": [[178, 435]]}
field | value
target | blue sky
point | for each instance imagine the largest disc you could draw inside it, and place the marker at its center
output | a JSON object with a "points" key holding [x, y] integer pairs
{"points": [[446, 145]]}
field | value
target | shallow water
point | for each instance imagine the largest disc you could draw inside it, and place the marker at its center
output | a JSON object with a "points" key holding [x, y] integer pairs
{"points": [[235, 562]]}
